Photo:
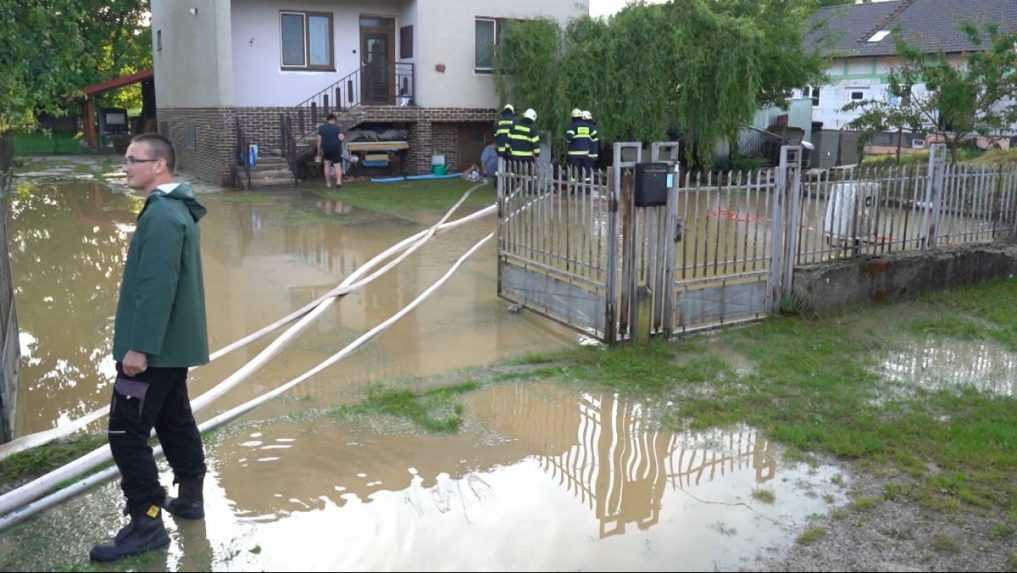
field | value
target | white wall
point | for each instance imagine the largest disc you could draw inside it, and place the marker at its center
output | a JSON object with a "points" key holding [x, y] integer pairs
{"points": [[258, 77], [446, 32], [837, 93], [193, 67]]}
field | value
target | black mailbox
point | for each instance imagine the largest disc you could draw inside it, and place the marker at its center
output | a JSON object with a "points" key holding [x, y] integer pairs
{"points": [[652, 184]]}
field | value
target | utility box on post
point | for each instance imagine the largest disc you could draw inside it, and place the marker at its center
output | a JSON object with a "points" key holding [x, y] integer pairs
{"points": [[652, 184]]}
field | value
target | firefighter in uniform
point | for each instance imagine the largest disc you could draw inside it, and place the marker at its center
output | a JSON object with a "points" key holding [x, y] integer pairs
{"points": [[524, 141], [577, 137], [504, 126]]}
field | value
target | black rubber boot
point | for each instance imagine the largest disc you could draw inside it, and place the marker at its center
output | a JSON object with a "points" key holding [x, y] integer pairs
{"points": [[191, 503], [144, 533]]}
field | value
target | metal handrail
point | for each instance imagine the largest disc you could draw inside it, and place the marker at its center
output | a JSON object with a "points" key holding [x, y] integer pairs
{"points": [[288, 145], [347, 93], [242, 152]]}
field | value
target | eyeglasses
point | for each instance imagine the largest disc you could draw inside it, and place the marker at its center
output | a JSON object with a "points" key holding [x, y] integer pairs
{"points": [[129, 160]]}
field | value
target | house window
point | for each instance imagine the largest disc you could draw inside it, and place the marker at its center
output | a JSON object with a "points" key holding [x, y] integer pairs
{"points": [[812, 93], [857, 96], [879, 36], [307, 42], [486, 36], [405, 42]]}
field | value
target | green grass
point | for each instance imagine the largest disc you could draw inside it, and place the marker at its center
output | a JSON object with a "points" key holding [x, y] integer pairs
{"points": [[1002, 531], [811, 535], [435, 411], [43, 144], [864, 503], [943, 544], [40, 460], [396, 198], [764, 495], [815, 388]]}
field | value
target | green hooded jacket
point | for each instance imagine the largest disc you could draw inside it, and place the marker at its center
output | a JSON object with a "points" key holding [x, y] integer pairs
{"points": [[161, 310]]}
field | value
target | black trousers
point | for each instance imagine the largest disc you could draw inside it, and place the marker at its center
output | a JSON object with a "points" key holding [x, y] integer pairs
{"points": [[156, 398]]}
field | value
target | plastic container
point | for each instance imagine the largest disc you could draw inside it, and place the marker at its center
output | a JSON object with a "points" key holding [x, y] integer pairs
{"points": [[439, 169]]}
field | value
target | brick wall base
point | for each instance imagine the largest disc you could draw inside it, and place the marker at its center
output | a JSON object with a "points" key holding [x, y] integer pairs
{"points": [[205, 138]]}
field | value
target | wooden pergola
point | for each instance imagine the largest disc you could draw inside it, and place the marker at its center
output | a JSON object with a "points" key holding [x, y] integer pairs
{"points": [[147, 80]]}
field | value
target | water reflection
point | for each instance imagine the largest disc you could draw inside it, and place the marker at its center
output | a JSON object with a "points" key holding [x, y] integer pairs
{"points": [[607, 453], [944, 364], [264, 255], [603, 450], [67, 248], [543, 477]]}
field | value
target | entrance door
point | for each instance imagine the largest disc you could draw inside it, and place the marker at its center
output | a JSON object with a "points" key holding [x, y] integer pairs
{"points": [[377, 48], [473, 137]]}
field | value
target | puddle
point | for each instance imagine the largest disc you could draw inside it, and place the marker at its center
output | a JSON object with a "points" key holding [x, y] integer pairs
{"points": [[542, 477], [937, 363], [264, 255]]}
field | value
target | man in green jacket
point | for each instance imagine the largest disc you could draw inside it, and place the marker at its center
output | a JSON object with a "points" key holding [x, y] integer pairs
{"points": [[160, 331]]}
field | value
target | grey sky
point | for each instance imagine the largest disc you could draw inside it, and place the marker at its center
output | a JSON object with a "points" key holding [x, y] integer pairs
{"points": [[603, 7]]}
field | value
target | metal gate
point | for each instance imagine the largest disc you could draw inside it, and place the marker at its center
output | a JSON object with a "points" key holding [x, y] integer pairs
{"points": [[557, 244], [732, 264], [573, 246]]}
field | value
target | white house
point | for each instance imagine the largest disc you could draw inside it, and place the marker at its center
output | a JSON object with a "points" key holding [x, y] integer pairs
{"points": [[860, 40], [424, 66]]}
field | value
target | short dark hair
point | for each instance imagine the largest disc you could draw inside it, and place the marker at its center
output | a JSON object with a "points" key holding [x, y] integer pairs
{"points": [[330, 117], [162, 148]]}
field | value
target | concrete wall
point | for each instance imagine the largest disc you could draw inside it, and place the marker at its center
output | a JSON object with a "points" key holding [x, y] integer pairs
{"points": [[895, 277], [193, 66], [257, 74], [447, 29]]}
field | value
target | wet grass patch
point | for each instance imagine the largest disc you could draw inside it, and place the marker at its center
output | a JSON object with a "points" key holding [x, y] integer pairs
{"points": [[811, 535], [764, 495], [436, 411], [398, 198], [990, 304], [815, 387], [945, 544], [29, 464], [863, 503]]}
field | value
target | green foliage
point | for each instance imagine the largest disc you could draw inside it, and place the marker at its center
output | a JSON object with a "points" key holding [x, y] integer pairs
{"points": [[697, 67], [958, 101], [49, 49]]}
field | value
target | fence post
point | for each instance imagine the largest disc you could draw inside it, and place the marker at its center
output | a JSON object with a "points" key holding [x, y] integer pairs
{"points": [[664, 289], [502, 211], [791, 160], [934, 193], [781, 231]]}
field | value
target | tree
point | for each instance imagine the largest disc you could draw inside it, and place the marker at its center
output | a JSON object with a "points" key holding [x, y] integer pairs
{"points": [[956, 101], [701, 67], [49, 49]]}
